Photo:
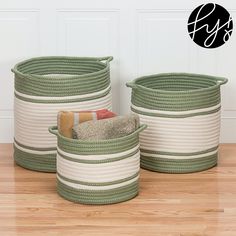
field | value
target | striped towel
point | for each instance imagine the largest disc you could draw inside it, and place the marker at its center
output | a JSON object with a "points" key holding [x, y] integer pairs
{"points": [[67, 119]]}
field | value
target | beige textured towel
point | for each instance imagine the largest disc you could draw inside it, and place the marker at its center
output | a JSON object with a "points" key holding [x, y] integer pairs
{"points": [[106, 129], [67, 119]]}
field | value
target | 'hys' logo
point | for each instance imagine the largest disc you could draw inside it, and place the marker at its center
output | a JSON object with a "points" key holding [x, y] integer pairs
{"points": [[210, 25]]}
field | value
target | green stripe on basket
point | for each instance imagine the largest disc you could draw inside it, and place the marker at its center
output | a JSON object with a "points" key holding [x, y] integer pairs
{"points": [[110, 196], [78, 76], [61, 90], [175, 92], [63, 100], [175, 116], [143, 151], [98, 184], [167, 165], [172, 103], [111, 146], [44, 163], [108, 160]]}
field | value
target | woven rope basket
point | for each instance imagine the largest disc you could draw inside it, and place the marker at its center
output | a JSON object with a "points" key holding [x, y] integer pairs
{"points": [[45, 85], [182, 112], [102, 172]]}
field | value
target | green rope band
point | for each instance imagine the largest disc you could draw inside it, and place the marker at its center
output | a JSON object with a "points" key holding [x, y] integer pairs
{"points": [[110, 196], [176, 92], [100, 148], [74, 76], [44, 163], [170, 103], [166, 165]]}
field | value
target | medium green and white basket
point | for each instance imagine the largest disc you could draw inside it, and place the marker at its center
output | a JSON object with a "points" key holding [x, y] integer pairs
{"points": [[45, 85], [99, 172], [182, 112]]}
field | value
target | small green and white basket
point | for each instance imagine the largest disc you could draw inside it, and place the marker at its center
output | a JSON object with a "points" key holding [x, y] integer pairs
{"points": [[182, 112], [45, 85], [99, 172]]}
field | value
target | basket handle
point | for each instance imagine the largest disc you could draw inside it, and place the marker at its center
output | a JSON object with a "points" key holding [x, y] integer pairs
{"points": [[107, 59], [53, 130], [141, 128], [222, 80], [20, 75], [132, 85], [13, 70]]}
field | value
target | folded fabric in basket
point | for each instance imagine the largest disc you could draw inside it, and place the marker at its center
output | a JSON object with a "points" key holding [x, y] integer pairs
{"points": [[106, 129], [67, 119]]}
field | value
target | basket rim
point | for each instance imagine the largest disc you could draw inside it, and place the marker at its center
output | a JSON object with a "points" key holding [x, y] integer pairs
{"points": [[97, 60], [54, 130], [217, 79]]}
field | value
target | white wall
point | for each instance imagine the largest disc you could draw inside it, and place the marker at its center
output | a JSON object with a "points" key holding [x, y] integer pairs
{"points": [[143, 36]]}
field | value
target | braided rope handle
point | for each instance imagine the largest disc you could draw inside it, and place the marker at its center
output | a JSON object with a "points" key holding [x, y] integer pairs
{"points": [[53, 130], [106, 59], [141, 128], [131, 84], [221, 80]]}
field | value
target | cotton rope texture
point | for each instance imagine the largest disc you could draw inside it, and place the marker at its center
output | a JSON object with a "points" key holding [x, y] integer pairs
{"points": [[98, 172], [182, 112], [45, 85]]}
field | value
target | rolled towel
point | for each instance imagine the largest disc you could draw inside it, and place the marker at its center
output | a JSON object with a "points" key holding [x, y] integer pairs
{"points": [[67, 119], [106, 129]]}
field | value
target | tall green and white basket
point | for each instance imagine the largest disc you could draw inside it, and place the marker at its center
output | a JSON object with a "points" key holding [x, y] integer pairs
{"points": [[45, 85], [182, 112], [98, 172]]}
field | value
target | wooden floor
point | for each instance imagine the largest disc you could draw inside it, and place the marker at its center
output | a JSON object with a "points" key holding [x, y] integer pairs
{"points": [[173, 205]]}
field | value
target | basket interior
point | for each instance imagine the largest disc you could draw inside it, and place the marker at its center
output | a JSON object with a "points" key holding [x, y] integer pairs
{"points": [[59, 66], [175, 82]]}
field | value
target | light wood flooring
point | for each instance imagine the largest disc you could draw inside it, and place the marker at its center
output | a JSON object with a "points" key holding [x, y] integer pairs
{"points": [[168, 205]]}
